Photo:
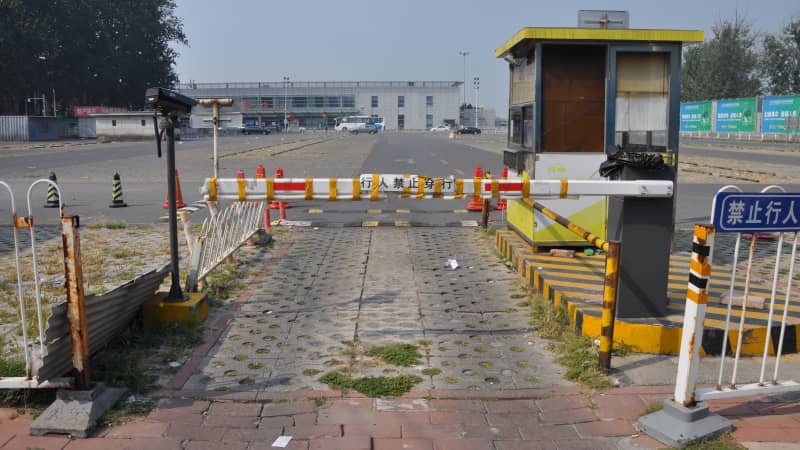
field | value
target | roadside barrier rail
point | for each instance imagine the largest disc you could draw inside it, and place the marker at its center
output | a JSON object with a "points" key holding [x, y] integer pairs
{"points": [[379, 186], [611, 281], [220, 236], [34, 347], [747, 215]]}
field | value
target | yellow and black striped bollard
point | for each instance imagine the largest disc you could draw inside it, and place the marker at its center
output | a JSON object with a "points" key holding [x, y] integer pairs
{"points": [[609, 306], [116, 193], [52, 193]]}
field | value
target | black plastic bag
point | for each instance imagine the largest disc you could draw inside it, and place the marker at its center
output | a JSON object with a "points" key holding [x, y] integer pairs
{"points": [[653, 162]]}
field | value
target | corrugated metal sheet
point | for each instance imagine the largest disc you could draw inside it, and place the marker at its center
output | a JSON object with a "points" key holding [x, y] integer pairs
{"points": [[14, 128], [106, 316], [87, 128], [44, 128]]}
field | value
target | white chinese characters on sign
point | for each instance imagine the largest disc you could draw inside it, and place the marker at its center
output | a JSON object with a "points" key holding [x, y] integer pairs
{"points": [[775, 212]]}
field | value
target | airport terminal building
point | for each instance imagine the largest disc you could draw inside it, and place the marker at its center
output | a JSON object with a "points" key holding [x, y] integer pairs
{"points": [[412, 105]]}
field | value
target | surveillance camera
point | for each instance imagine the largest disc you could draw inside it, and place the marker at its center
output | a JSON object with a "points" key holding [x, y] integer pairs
{"points": [[167, 101]]}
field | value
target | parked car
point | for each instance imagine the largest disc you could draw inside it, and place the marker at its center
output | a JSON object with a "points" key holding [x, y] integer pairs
{"points": [[255, 130], [440, 128], [469, 130]]}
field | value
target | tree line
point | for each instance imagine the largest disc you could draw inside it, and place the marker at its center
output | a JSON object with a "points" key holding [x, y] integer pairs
{"points": [[736, 62], [91, 52]]}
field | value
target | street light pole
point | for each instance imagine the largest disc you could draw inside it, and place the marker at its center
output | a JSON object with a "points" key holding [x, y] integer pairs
{"points": [[476, 82], [464, 53], [285, 104]]}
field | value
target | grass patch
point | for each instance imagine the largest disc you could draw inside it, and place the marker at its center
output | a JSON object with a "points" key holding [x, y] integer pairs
{"points": [[222, 282], [372, 386], [311, 372], [653, 407], [121, 362], [126, 411], [431, 372], [724, 442], [573, 351], [116, 225], [397, 354], [12, 368]]}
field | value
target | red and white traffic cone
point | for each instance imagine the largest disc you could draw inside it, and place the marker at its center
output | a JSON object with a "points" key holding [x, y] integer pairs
{"points": [[502, 204], [475, 202], [178, 195]]}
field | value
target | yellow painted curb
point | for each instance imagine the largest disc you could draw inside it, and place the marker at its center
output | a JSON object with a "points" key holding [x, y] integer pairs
{"points": [[576, 284]]}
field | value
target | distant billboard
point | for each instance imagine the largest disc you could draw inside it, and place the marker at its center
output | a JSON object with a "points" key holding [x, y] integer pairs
{"points": [[781, 114], [696, 116], [736, 116], [85, 111]]}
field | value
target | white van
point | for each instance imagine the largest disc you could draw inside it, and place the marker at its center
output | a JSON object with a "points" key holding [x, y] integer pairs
{"points": [[356, 124]]}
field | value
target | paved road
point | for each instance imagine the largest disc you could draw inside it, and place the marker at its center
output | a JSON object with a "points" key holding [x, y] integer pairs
{"points": [[85, 174]]}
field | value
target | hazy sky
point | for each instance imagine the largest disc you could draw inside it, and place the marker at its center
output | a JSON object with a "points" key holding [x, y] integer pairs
{"points": [[346, 40]]}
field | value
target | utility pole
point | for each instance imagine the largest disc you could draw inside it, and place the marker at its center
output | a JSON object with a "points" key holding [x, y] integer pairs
{"points": [[464, 53], [476, 82], [285, 104]]}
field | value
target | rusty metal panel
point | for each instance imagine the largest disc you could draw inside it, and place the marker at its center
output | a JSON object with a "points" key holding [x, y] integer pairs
{"points": [[106, 316], [14, 128], [573, 98]]}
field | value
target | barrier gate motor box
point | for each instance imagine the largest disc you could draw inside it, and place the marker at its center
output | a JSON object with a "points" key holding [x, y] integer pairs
{"points": [[578, 96]]}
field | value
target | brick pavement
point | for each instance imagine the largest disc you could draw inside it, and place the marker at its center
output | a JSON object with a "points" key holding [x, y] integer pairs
{"points": [[556, 418], [393, 291]]}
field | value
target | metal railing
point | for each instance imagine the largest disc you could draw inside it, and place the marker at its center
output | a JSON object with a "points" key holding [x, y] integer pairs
{"points": [[33, 347], [220, 235], [739, 213]]}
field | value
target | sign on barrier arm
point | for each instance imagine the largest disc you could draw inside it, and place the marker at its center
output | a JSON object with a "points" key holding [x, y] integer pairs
{"points": [[739, 212], [379, 186]]}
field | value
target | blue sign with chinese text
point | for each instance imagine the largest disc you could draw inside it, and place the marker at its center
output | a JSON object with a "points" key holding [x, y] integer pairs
{"points": [[743, 212]]}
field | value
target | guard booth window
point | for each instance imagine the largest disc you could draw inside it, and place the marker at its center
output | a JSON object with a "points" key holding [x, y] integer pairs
{"points": [[515, 126], [573, 98], [527, 126]]}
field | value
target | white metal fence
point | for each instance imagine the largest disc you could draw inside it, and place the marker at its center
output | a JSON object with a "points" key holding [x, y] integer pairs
{"points": [[33, 346], [748, 216], [222, 234]]}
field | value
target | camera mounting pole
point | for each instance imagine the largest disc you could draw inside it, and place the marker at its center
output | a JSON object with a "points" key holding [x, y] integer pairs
{"points": [[215, 103], [175, 293], [169, 104]]}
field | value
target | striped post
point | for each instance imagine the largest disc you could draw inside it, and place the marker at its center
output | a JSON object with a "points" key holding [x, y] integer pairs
{"points": [[696, 298], [116, 193], [609, 306], [261, 173]]}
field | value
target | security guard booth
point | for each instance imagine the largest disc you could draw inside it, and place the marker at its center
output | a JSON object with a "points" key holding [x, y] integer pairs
{"points": [[578, 96]]}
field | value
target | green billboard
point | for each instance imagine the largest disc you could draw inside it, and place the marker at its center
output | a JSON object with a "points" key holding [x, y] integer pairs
{"points": [[781, 114], [736, 116], [696, 116]]}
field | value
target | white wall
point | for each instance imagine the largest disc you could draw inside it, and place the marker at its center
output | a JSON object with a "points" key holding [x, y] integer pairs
{"points": [[445, 105], [127, 127]]}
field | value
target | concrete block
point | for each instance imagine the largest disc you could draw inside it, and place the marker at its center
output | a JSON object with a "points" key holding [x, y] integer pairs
{"points": [[753, 301], [76, 412], [679, 426], [157, 311], [562, 253]]}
